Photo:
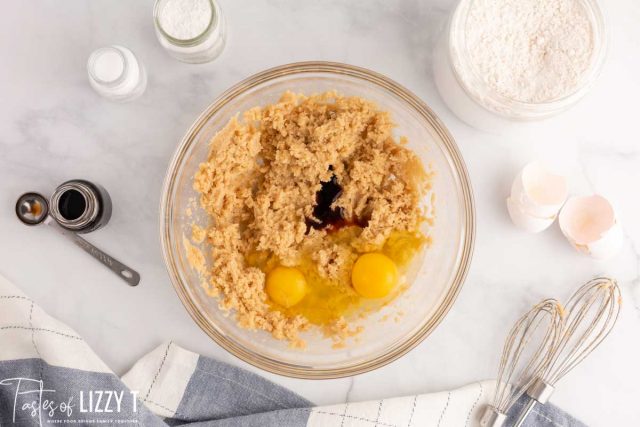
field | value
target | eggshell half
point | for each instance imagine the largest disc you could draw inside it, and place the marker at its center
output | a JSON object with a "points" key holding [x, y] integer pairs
{"points": [[590, 225], [526, 221], [539, 191]]}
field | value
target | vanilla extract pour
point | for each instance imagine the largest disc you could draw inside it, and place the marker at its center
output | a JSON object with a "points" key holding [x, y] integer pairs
{"points": [[327, 216]]}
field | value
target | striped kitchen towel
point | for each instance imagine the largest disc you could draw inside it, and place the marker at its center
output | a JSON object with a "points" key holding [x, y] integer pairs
{"points": [[49, 375]]}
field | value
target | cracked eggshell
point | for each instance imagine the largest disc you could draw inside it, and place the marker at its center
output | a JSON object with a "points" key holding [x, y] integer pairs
{"points": [[537, 194], [591, 226], [539, 191], [525, 221]]}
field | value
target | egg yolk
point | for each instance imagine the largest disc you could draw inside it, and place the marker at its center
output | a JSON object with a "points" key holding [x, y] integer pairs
{"points": [[374, 275], [286, 286]]}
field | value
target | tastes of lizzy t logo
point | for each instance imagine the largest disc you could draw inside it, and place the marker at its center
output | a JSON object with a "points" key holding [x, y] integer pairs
{"points": [[32, 399]]}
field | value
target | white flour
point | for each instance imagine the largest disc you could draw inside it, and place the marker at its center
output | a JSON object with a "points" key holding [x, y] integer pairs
{"points": [[185, 19], [530, 50]]}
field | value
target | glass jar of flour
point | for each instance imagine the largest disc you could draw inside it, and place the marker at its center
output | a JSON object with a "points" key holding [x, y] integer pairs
{"points": [[190, 30], [507, 61]]}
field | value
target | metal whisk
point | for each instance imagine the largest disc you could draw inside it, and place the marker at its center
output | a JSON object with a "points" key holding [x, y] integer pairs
{"points": [[525, 357], [589, 316]]}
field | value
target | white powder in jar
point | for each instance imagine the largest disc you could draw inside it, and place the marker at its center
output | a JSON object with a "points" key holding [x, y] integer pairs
{"points": [[108, 65], [116, 73], [185, 19], [530, 50]]}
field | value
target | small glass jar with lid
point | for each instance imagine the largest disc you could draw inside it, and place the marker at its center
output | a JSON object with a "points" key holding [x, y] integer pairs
{"points": [[192, 31], [116, 73], [469, 95]]}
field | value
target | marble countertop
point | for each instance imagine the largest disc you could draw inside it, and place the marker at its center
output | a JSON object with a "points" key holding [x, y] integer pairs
{"points": [[53, 127]]}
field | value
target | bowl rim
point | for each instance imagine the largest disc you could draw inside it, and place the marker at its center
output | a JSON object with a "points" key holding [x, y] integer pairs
{"points": [[468, 229]]}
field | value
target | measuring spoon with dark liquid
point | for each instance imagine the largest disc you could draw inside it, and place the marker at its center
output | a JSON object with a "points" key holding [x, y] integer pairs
{"points": [[33, 209]]}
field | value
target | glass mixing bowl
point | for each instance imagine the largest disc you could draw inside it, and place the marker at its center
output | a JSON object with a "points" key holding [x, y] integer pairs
{"points": [[438, 273]]}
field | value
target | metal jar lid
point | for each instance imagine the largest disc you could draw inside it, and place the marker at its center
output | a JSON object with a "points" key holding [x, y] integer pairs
{"points": [[91, 210]]}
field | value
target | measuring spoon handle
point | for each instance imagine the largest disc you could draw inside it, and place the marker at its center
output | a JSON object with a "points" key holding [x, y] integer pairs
{"points": [[127, 274]]}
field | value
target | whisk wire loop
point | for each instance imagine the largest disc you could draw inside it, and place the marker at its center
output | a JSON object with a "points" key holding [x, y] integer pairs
{"points": [[526, 352], [589, 317], [592, 312]]}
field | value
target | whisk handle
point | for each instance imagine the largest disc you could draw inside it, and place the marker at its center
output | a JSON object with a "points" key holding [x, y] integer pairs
{"points": [[525, 412], [492, 417], [539, 392]]}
